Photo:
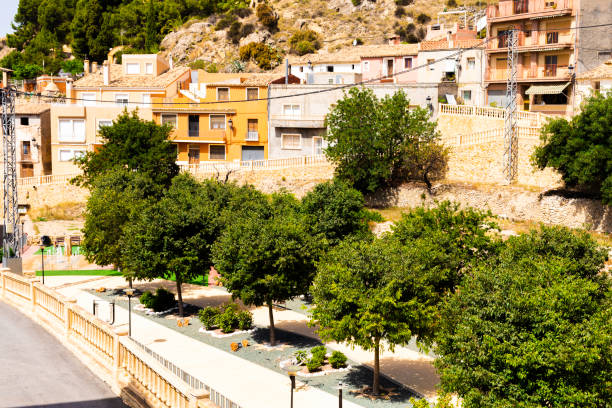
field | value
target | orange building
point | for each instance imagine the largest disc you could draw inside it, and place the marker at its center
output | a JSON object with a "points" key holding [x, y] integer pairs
{"points": [[221, 117]]}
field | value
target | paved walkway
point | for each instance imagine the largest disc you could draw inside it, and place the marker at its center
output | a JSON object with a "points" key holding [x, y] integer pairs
{"points": [[405, 365], [38, 371]]}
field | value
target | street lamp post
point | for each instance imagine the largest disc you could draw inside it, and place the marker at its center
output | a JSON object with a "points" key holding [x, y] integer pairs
{"points": [[45, 241], [129, 293], [340, 387], [292, 371]]}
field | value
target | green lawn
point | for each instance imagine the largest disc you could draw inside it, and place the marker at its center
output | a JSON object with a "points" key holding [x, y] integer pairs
{"points": [[51, 250], [202, 280]]}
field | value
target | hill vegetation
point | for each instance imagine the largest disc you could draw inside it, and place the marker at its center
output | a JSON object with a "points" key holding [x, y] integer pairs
{"points": [[48, 32]]}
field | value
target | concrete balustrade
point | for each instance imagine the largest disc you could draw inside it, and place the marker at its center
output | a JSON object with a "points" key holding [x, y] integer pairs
{"points": [[131, 371]]}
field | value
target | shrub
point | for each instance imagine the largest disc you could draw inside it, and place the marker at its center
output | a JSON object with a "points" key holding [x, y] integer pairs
{"points": [[234, 34], [356, 2], [242, 12], [337, 359], [266, 16], [301, 356], [404, 2], [208, 316], [245, 320], [264, 56], [297, 40], [160, 301], [314, 364], [423, 18], [247, 29], [400, 12], [146, 299], [226, 21], [358, 41], [319, 352], [227, 321], [451, 3]]}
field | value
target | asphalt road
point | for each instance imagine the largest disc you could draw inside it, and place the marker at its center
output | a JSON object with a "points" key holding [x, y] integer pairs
{"points": [[38, 371]]}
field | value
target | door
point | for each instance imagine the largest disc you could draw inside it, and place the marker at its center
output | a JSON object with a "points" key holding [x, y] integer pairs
{"points": [[497, 98], [389, 67], [250, 153], [317, 145], [194, 154], [27, 170]]}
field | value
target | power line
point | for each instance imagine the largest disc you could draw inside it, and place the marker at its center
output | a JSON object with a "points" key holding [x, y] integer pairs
{"points": [[319, 91]]}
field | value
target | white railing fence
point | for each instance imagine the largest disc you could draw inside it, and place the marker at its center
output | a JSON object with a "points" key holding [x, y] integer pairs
{"points": [[535, 118], [527, 134]]}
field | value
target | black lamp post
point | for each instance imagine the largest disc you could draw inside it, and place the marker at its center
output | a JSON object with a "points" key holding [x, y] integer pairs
{"points": [[340, 387], [45, 241], [129, 293], [292, 371]]}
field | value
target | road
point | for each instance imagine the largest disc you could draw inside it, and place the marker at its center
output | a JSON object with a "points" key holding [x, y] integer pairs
{"points": [[38, 371]]}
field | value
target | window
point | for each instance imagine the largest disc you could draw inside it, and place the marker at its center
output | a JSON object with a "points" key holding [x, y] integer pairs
{"points": [[223, 94], [551, 4], [25, 149], [252, 93], [66, 155], [24, 121], [430, 64], [330, 81], [604, 55], [169, 119], [104, 122], [194, 125], [217, 121], [216, 152], [471, 63], [89, 99], [467, 95], [407, 63], [146, 100], [291, 110], [330, 68], [121, 99], [353, 67], [550, 65], [72, 130], [502, 39], [317, 145], [132, 68], [596, 86], [149, 68], [252, 133], [552, 37], [291, 141], [366, 66], [520, 6], [301, 69]]}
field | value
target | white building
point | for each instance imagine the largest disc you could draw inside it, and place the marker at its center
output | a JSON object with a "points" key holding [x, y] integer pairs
{"points": [[596, 80]]}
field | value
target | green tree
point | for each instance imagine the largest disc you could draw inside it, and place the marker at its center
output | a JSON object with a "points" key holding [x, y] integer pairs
{"points": [[74, 66], [304, 42], [532, 327], [151, 41], [581, 149], [267, 255], [376, 143], [172, 237], [85, 28], [117, 196], [374, 294], [135, 144], [335, 210]]}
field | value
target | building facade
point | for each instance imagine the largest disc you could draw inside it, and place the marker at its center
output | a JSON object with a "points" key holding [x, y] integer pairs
{"points": [[390, 64], [101, 95], [33, 137], [597, 80], [546, 53], [297, 123], [223, 118]]}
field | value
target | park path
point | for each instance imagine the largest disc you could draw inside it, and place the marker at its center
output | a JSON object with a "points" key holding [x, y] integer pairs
{"points": [[407, 366]]}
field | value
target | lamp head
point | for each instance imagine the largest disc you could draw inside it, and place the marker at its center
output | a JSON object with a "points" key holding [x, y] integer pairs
{"points": [[45, 241], [129, 292]]}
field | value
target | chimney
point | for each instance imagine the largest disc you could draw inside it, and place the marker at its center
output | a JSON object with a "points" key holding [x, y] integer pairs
{"points": [[106, 73], [94, 67], [86, 66], [394, 40], [68, 90]]}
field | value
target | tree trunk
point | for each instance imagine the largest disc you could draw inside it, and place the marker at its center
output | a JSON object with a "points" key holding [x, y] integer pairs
{"points": [[376, 385], [271, 314], [180, 295], [427, 182]]}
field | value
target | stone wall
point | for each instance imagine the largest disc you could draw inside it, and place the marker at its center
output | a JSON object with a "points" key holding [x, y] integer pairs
{"points": [[452, 125], [51, 195], [512, 202]]}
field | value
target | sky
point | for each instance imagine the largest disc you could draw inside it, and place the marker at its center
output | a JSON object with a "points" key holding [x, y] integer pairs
{"points": [[9, 9]]}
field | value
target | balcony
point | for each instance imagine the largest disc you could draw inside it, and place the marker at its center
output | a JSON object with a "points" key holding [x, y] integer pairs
{"points": [[534, 41], [548, 72], [512, 9], [204, 136], [252, 136], [303, 121]]}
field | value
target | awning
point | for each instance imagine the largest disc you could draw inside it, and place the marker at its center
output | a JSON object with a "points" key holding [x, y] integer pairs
{"points": [[554, 89]]}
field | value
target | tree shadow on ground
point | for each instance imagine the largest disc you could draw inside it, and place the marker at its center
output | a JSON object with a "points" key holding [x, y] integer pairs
{"points": [[262, 336], [361, 376]]}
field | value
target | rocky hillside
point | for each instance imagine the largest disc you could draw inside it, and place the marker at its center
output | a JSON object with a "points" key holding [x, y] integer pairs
{"points": [[337, 22]]}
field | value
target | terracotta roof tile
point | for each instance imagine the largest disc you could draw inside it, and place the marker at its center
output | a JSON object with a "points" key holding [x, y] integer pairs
{"points": [[604, 71], [354, 54], [120, 80], [31, 108], [443, 44]]}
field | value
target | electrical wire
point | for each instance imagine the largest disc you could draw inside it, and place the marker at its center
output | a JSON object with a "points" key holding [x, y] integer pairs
{"points": [[319, 91]]}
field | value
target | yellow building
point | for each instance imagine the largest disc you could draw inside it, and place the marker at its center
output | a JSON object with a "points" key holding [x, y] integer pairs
{"points": [[222, 117], [101, 95]]}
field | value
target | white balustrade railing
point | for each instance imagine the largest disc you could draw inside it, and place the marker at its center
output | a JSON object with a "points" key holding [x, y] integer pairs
{"points": [[529, 134], [490, 112], [50, 179]]}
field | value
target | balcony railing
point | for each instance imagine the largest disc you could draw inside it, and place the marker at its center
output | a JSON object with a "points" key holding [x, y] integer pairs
{"points": [[252, 136], [507, 8], [535, 39], [550, 70]]}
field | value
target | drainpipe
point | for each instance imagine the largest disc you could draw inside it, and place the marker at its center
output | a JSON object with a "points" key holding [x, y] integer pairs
{"points": [[286, 71]]}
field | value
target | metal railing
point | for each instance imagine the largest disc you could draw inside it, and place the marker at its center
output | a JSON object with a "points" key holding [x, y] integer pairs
{"points": [[252, 136]]}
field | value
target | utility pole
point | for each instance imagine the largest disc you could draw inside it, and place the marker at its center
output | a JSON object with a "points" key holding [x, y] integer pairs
{"points": [[11, 243], [510, 133]]}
